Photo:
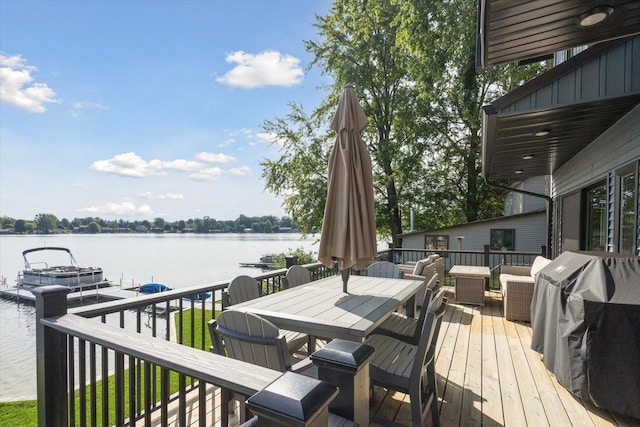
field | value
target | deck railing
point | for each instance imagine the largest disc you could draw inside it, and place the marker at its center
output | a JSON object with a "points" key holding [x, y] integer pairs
{"points": [[117, 383], [136, 385], [90, 373]]}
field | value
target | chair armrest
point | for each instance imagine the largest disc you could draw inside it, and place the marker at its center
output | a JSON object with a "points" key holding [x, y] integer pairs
{"points": [[406, 268], [301, 365], [516, 270], [413, 277]]}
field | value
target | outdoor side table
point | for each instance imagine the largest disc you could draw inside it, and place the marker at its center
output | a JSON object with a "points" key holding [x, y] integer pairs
{"points": [[470, 283]]}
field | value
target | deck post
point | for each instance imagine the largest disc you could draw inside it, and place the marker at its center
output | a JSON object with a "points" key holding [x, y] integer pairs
{"points": [[345, 364], [292, 400], [51, 356]]}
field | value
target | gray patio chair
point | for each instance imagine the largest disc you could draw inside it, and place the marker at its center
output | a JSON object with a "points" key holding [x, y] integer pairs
{"points": [[296, 275], [384, 269], [248, 337], [405, 328], [410, 369], [245, 288]]}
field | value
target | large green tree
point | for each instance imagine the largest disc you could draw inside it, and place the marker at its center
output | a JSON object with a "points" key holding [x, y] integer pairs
{"points": [[441, 35], [356, 45], [413, 65]]}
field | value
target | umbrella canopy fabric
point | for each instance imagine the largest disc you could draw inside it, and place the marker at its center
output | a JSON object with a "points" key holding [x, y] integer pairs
{"points": [[349, 223]]}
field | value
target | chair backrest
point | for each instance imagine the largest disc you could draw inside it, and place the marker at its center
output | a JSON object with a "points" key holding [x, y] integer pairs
{"points": [[429, 335], [250, 338], [419, 266], [296, 275], [243, 288], [384, 269], [432, 286]]}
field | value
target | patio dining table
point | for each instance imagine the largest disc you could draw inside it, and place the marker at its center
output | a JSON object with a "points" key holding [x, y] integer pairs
{"points": [[320, 308]]}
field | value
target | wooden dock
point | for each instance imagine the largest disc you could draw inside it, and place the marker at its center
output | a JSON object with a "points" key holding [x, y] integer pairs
{"points": [[103, 294], [487, 376]]}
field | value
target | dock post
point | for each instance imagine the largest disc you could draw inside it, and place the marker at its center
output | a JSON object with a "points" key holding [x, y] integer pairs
{"points": [[51, 356], [345, 364]]}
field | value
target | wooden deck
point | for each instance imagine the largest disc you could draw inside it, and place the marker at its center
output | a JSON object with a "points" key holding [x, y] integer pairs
{"points": [[489, 376]]}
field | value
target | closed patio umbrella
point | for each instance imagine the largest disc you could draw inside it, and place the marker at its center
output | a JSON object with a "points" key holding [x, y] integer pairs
{"points": [[349, 223]]}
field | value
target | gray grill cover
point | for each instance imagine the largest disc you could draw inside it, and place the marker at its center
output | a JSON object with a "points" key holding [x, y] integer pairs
{"points": [[585, 316]]}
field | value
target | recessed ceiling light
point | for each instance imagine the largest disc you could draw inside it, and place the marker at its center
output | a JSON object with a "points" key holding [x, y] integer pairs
{"points": [[518, 171], [594, 16], [527, 157], [541, 132]]}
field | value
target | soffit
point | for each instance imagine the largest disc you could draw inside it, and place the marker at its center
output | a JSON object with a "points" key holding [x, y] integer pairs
{"points": [[574, 102], [526, 30]]}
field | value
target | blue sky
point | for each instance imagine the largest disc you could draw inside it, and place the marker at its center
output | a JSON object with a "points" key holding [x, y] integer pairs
{"points": [[145, 109]]}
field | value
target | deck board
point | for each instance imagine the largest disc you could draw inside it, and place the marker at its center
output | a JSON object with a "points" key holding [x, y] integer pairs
{"points": [[488, 375]]}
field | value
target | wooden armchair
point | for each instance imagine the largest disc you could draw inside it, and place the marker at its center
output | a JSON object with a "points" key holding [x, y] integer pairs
{"points": [[410, 369], [384, 269], [296, 275], [245, 288], [248, 337], [405, 328]]}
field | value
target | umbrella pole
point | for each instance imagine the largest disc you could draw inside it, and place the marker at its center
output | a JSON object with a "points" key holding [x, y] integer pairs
{"points": [[345, 279]]}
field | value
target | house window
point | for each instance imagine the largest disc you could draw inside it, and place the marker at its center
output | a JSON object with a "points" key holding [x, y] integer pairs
{"points": [[503, 239], [436, 242], [595, 236], [627, 214]]}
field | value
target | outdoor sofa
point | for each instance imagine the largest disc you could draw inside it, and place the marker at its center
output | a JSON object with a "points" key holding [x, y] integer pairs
{"points": [[424, 270], [516, 284]]}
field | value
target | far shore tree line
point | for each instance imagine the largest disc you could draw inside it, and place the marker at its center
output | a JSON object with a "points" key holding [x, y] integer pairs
{"points": [[46, 223]]}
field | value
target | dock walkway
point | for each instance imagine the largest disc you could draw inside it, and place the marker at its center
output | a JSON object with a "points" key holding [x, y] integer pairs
{"points": [[105, 293]]}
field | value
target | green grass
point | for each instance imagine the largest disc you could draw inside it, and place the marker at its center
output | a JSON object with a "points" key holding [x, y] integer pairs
{"points": [[197, 328], [25, 413]]}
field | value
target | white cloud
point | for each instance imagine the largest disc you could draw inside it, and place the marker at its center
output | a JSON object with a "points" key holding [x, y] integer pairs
{"points": [[122, 209], [227, 142], [178, 164], [132, 165], [167, 196], [78, 107], [127, 164], [269, 139], [269, 68], [241, 171], [17, 86], [215, 158], [212, 174]]}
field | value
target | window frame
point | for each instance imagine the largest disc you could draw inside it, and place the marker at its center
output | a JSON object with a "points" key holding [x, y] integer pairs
{"points": [[436, 246], [586, 215], [502, 231]]}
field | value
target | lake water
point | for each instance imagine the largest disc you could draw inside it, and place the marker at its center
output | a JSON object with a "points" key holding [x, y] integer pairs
{"points": [[179, 260]]}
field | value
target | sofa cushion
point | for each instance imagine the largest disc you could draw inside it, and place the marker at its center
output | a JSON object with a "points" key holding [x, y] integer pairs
{"points": [[514, 278], [420, 265], [538, 264]]}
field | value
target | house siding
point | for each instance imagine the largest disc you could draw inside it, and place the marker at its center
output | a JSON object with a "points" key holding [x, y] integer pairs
{"points": [[616, 148], [530, 233]]}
